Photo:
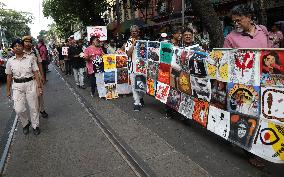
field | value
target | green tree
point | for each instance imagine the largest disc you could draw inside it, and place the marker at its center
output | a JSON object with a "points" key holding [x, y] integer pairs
{"points": [[69, 13], [14, 23]]}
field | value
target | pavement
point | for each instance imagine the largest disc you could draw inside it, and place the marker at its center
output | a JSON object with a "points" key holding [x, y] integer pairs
{"points": [[86, 136]]}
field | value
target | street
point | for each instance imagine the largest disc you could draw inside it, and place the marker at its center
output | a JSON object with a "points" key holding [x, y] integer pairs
{"points": [[86, 136]]}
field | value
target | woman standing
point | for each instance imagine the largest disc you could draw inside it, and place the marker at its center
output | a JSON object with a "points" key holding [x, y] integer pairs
{"points": [[93, 55], [22, 69]]}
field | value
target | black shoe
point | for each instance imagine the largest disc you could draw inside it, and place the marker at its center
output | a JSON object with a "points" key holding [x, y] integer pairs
{"points": [[44, 114], [36, 131], [26, 129], [142, 102], [137, 107]]}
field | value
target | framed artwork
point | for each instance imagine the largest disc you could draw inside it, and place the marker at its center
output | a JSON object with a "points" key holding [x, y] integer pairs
{"points": [[141, 47], [243, 99], [174, 98], [218, 64], [151, 87], [110, 76], [164, 73], [242, 130], [152, 70], [201, 88], [122, 75], [186, 106], [109, 61], [272, 67], [141, 66], [200, 112], [181, 57], [111, 92], [166, 53], [121, 61], [154, 51], [272, 104], [218, 94], [268, 141], [98, 64], [244, 67], [219, 122], [162, 92], [184, 84], [197, 64], [174, 78], [140, 83]]}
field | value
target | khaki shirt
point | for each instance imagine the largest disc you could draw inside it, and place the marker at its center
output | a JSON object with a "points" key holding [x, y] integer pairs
{"points": [[31, 53], [21, 68]]}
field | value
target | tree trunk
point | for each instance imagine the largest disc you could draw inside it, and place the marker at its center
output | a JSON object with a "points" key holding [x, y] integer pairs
{"points": [[205, 11]]}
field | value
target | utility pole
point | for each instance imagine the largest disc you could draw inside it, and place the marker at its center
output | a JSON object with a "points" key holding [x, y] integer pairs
{"points": [[182, 12]]}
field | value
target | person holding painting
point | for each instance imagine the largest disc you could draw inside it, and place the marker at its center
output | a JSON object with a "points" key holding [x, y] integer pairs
{"points": [[129, 49], [247, 35]]}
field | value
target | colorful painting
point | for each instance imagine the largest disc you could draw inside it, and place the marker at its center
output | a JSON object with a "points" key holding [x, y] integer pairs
{"points": [[98, 64], [269, 141], [197, 64], [201, 88], [272, 68], [174, 98], [121, 61], [219, 122], [111, 92], [218, 64], [244, 67], [164, 73], [174, 78], [141, 47], [140, 83], [184, 84], [243, 99], [162, 92], [122, 75], [181, 59], [200, 112], [110, 76], [186, 106], [218, 94], [272, 104], [109, 61], [154, 51], [141, 66], [166, 53], [242, 130], [152, 70], [151, 87]]}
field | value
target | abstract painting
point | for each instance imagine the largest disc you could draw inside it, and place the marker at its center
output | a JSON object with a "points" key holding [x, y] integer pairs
{"points": [[244, 67], [122, 75], [181, 57], [151, 87], [197, 64], [218, 94], [186, 106], [219, 122], [174, 98], [141, 66], [98, 64], [200, 112], [141, 47], [154, 51], [201, 88], [243, 99], [174, 78], [272, 104], [166, 52], [109, 62], [184, 84], [152, 70], [121, 61], [162, 92], [164, 73], [140, 83]]}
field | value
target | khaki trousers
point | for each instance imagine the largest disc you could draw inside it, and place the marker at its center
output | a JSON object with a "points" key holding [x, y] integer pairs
{"points": [[26, 93]]}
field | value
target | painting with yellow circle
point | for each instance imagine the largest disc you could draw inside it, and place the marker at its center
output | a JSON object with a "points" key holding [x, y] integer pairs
{"points": [[218, 64], [269, 141]]}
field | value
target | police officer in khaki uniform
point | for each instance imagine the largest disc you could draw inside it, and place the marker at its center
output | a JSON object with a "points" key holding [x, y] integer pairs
{"points": [[21, 70], [28, 50]]}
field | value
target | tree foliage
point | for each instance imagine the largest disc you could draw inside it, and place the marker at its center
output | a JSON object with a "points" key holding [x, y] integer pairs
{"points": [[14, 23], [67, 13]]}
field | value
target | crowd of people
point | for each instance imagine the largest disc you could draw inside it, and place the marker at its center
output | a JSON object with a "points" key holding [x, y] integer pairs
{"points": [[27, 69]]}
